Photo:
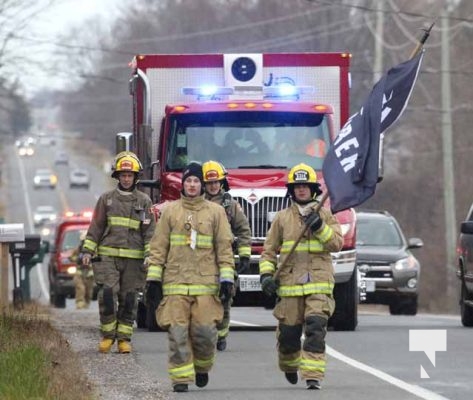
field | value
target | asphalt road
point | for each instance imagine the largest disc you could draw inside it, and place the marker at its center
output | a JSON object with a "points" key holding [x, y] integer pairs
{"points": [[374, 362]]}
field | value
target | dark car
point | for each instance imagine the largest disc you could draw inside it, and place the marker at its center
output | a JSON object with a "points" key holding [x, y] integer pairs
{"points": [[385, 259], [465, 269]]}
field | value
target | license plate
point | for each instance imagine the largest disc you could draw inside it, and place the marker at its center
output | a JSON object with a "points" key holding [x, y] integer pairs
{"points": [[370, 286], [250, 283]]}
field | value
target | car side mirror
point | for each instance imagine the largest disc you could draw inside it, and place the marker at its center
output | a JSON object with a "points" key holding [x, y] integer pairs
{"points": [[466, 227], [414, 243]]}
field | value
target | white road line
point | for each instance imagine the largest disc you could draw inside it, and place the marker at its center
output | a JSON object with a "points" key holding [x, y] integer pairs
{"points": [[415, 390], [29, 214], [242, 323]]}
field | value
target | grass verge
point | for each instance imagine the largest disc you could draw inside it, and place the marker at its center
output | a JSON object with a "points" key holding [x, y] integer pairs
{"points": [[36, 362]]}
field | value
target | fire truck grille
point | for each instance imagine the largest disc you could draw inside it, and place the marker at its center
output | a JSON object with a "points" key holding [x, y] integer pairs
{"points": [[261, 213]]}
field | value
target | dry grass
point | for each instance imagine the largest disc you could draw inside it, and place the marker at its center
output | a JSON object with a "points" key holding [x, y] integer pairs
{"points": [[39, 360]]}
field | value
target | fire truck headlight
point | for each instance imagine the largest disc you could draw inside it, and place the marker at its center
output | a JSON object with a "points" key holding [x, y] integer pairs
{"points": [[345, 228]]}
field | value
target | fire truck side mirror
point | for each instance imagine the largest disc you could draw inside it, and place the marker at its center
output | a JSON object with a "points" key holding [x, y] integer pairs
{"points": [[123, 141]]}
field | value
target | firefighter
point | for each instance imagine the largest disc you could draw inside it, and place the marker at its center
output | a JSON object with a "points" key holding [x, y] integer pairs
{"points": [[216, 190], [84, 277], [191, 265], [305, 284], [119, 236]]}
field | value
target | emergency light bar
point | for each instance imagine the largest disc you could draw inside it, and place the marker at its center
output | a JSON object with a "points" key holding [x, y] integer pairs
{"points": [[208, 91], [287, 90]]}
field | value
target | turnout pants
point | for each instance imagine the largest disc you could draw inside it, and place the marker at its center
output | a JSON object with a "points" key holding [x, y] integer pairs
{"points": [[191, 323], [119, 280], [297, 314]]}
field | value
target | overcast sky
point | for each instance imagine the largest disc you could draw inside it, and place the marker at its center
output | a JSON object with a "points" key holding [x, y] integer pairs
{"points": [[53, 23]]}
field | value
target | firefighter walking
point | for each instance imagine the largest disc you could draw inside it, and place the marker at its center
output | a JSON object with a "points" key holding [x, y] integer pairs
{"points": [[84, 277], [191, 264], [306, 282], [119, 236], [216, 190]]}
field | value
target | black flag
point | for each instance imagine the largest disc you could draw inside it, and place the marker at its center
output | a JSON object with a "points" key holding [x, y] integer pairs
{"points": [[350, 168]]}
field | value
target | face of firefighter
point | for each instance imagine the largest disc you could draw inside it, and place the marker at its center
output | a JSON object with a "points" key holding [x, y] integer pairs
{"points": [[302, 192], [126, 179], [213, 188], [192, 186]]}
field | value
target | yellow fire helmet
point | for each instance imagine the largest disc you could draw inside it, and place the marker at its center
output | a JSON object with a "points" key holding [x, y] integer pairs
{"points": [[213, 171], [301, 173], [126, 161]]}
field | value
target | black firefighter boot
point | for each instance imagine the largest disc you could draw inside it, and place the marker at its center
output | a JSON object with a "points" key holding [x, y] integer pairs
{"points": [[201, 379], [291, 377], [221, 344]]}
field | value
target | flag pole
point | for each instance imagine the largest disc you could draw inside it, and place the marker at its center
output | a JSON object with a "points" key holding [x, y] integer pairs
{"points": [[324, 197], [422, 41]]}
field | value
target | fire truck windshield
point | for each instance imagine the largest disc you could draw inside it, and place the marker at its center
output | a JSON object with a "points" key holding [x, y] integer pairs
{"points": [[248, 139]]}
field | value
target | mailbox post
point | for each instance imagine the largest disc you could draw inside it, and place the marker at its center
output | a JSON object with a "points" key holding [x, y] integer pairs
{"points": [[9, 233], [25, 255]]}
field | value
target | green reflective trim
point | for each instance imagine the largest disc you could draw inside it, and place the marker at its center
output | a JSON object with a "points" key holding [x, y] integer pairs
{"points": [[125, 222], [266, 267], [326, 234], [204, 241], [117, 252], [155, 273], [110, 327], [244, 251], [147, 248], [90, 245], [178, 240], [287, 245], [291, 363], [204, 363], [185, 371], [222, 333], [312, 365], [227, 273], [190, 290], [125, 329], [306, 289], [312, 246]]}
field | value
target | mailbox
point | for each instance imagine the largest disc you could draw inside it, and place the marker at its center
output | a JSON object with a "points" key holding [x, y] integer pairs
{"points": [[24, 255]]}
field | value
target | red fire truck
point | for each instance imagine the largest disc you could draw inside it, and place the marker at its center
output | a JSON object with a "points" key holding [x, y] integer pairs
{"points": [[257, 114]]}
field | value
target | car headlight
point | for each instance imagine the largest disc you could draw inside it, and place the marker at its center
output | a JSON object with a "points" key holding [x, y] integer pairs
{"points": [[72, 270], [405, 263]]}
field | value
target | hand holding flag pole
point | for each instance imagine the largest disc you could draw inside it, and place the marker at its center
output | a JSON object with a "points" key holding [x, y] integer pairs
{"points": [[351, 178]]}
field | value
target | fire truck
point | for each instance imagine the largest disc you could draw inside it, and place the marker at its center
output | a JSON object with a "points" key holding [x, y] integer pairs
{"points": [[257, 114]]}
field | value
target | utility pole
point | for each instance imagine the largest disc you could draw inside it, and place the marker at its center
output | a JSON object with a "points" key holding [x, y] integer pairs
{"points": [[378, 43], [447, 146]]}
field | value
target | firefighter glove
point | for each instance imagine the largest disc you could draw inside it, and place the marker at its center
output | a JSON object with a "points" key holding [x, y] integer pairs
{"points": [[153, 293], [269, 285], [226, 291], [243, 266], [314, 221]]}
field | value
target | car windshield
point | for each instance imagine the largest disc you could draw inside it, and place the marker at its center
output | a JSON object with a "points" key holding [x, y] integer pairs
{"points": [[249, 139], [71, 239], [45, 209], [382, 232]]}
